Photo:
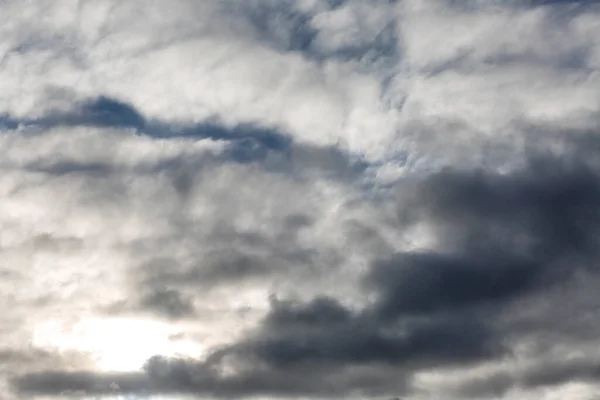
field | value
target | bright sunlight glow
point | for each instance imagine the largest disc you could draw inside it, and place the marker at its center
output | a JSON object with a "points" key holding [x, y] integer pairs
{"points": [[116, 344]]}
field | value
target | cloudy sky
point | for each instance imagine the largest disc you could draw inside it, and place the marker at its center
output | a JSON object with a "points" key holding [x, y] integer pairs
{"points": [[299, 199]]}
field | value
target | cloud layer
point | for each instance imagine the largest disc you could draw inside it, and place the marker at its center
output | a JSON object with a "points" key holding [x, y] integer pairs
{"points": [[299, 198]]}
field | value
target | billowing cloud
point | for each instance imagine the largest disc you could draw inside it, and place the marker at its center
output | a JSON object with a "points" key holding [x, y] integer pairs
{"points": [[299, 198]]}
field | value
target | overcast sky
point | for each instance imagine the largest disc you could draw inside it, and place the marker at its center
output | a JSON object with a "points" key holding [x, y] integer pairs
{"points": [[285, 199]]}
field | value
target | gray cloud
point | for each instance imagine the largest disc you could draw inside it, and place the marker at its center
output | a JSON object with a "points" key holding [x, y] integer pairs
{"points": [[183, 377], [244, 143], [429, 282], [323, 331], [551, 374], [299, 198], [507, 238], [168, 302]]}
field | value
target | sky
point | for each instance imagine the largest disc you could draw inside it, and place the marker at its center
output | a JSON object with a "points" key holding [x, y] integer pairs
{"points": [[299, 199]]}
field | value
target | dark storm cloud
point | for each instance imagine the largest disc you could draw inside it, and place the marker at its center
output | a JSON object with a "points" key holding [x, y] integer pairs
{"points": [[504, 237], [429, 282], [532, 219], [324, 331], [317, 348], [171, 375], [179, 376], [64, 383], [173, 222]]}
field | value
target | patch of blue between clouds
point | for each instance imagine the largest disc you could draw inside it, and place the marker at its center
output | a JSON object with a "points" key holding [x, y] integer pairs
{"points": [[246, 143], [282, 26]]}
